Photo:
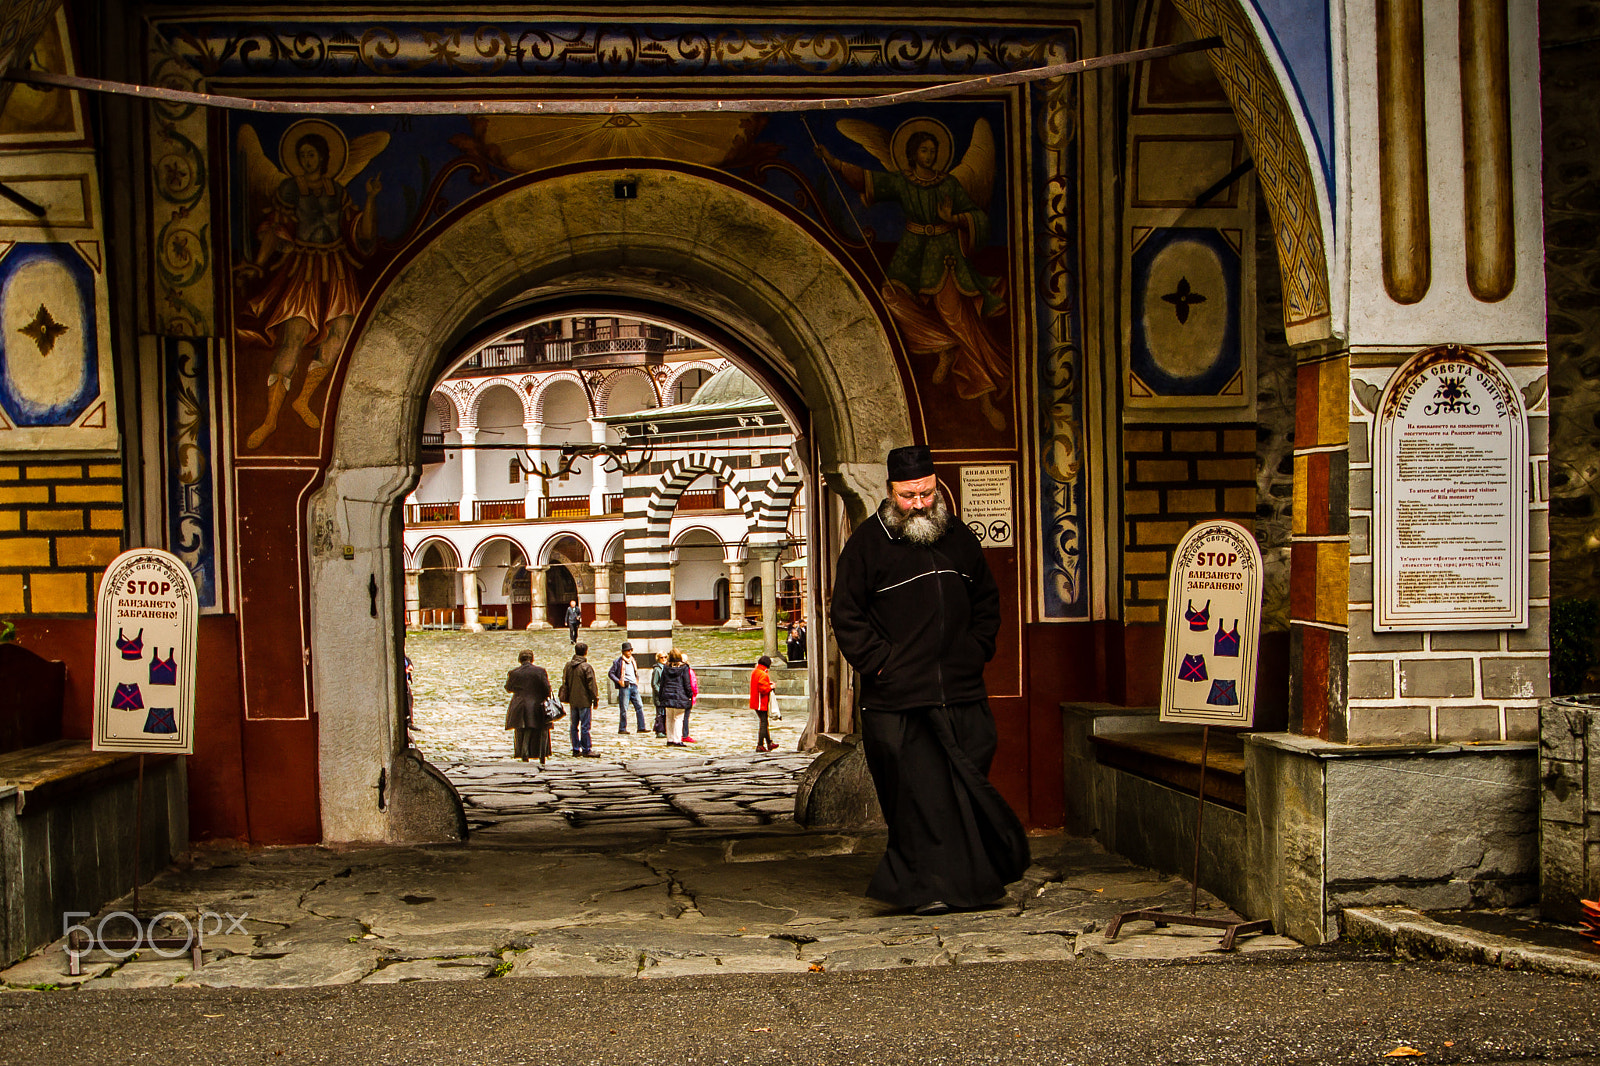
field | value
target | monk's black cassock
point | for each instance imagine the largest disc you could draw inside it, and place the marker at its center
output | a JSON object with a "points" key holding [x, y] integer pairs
{"points": [[918, 622]]}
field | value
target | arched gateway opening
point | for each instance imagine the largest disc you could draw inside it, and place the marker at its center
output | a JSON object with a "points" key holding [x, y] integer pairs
{"points": [[729, 264]]}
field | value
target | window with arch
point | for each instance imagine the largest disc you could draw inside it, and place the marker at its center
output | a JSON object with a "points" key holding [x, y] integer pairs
{"points": [[514, 472], [752, 595], [686, 386]]}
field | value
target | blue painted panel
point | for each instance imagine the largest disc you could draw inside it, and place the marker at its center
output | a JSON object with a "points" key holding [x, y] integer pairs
{"points": [[1186, 288], [49, 345]]}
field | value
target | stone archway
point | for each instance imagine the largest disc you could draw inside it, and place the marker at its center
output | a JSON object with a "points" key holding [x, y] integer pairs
{"points": [[733, 259]]}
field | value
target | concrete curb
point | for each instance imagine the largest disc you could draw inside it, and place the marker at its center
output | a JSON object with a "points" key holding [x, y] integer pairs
{"points": [[1413, 935]]}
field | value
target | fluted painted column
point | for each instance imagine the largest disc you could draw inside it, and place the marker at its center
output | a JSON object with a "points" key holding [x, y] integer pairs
{"points": [[469, 474], [534, 432], [735, 595], [536, 604], [469, 599]]}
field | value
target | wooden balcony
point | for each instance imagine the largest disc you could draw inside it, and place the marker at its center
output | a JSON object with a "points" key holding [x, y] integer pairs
{"points": [[564, 507], [706, 500], [498, 510], [425, 513]]}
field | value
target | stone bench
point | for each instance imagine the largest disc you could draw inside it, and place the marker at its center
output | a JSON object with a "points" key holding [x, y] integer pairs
{"points": [[67, 820]]}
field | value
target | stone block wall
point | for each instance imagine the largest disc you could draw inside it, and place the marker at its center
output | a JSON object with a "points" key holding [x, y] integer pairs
{"points": [[1418, 687], [1174, 477], [1442, 826], [1275, 418], [1569, 807], [60, 524]]}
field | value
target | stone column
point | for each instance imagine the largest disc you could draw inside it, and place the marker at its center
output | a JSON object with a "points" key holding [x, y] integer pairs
{"points": [[469, 598], [672, 592], [597, 494], [735, 595], [469, 475], [766, 557], [413, 600], [534, 432], [536, 577], [602, 597]]}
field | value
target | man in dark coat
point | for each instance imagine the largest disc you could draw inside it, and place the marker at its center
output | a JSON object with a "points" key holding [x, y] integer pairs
{"points": [[529, 686], [574, 619], [580, 692], [915, 611]]}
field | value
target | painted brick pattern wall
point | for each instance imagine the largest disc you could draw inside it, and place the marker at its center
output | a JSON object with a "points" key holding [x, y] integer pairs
{"points": [[1175, 476], [1418, 687], [60, 524]]}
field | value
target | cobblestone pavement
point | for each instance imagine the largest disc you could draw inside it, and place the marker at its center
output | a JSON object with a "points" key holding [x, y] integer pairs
{"points": [[511, 800], [635, 865], [460, 698], [622, 898]]}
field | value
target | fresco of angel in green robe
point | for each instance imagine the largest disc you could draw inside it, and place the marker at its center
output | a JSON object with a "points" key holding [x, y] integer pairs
{"points": [[939, 300], [309, 233]]}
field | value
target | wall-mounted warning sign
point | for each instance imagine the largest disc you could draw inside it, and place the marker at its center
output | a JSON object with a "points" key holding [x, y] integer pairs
{"points": [[987, 504]]}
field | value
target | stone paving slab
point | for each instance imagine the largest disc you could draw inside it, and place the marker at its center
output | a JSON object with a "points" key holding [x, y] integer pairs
{"points": [[612, 889], [471, 968]]}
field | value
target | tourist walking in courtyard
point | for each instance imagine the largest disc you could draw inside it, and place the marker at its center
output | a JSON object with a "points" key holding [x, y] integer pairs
{"points": [[761, 701], [529, 686], [581, 692], [574, 619], [677, 693], [655, 693], [624, 674], [916, 611]]}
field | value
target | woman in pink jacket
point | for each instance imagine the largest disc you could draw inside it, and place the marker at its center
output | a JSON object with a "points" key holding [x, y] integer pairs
{"points": [[761, 701]]}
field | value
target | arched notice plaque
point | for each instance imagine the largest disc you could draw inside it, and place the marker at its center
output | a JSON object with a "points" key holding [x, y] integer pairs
{"points": [[146, 634], [1450, 479], [1208, 672]]}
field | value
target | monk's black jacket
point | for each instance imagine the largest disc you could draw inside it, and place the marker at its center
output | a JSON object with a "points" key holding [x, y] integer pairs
{"points": [[918, 622]]}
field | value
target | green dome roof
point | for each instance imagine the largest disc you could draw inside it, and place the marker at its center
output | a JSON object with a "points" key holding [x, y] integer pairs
{"points": [[726, 386]]}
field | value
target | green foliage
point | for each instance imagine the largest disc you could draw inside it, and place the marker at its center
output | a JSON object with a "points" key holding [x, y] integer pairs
{"points": [[1573, 626], [501, 968], [8, 632]]}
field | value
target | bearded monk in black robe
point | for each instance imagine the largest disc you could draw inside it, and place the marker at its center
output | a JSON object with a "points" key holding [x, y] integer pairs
{"points": [[915, 610]]}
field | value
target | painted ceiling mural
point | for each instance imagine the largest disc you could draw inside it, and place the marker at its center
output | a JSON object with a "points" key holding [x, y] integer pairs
{"points": [[931, 201]]}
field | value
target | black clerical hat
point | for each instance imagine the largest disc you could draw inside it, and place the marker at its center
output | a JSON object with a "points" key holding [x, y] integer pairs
{"points": [[911, 463]]}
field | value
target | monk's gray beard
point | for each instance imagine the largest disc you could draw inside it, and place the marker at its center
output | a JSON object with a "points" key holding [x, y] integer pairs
{"points": [[924, 528]]}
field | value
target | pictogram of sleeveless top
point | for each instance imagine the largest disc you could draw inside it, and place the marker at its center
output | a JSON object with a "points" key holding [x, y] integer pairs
{"points": [[166, 672], [127, 698], [1193, 668], [1227, 644], [131, 648], [1200, 620]]}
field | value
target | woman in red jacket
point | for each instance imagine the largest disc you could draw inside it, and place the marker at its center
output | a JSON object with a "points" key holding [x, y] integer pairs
{"points": [[761, 701]]}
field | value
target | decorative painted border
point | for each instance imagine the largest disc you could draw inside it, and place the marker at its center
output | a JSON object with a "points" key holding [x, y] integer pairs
{"points": [[188, 413]]}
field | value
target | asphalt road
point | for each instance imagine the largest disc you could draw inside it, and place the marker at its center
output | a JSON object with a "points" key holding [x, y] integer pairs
{"points": [[1332, 1005]]}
